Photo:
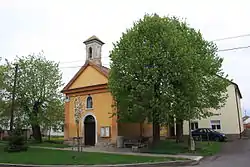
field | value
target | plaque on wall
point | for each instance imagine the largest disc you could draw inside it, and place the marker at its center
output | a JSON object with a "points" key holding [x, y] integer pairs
{"points": [[105, 131]]}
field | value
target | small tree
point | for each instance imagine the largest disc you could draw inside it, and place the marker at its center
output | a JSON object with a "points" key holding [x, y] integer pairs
{"points": [[78, 112]]}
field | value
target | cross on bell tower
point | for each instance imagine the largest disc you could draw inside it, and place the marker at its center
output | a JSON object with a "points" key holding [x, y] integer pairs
{"points": [[94, 50]]}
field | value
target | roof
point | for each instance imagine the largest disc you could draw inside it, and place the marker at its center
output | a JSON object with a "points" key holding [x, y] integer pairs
{"points": [[103, 70], [93, 38], [245, 118], [237, 87]]}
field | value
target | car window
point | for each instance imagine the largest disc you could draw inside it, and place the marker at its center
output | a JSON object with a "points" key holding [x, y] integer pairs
{"points": [[213, 130], [200, 130]]}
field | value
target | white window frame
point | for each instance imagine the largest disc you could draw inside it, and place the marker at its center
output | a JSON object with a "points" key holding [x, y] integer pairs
{"points": [[86, 106], [105, 131], [215, 123]]}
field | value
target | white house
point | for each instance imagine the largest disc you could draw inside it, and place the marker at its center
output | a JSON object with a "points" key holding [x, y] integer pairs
{"points": [[227, 120]]}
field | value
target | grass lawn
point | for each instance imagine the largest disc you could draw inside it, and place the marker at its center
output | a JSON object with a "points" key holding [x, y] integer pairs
{"points": [[43, 144], [55, 144], [58, 157], [171, 147], [3, 142], [48, 144]]}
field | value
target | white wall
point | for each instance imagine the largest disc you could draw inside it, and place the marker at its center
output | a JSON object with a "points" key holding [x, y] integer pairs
{"points": [[228, 115], [55, 133]]}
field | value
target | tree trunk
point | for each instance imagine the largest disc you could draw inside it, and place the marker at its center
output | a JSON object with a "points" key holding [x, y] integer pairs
{"points": [[191, 143], [37, 132], [171, 128], [35, 125], [156, 128], [156, 132], [49, 134], [78, 139], [179, 130], [141, 128]]}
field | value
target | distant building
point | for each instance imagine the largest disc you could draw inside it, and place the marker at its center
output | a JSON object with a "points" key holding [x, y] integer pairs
{"points": [[246, 122]]}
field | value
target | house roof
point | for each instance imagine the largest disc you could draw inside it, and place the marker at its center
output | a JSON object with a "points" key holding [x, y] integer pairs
{"points": [[237, 88], [245, 118], [103, 70], [92, 38]]}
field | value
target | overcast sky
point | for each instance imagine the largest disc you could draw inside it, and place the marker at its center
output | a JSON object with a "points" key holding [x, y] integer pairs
{"points": [[58, 27]]}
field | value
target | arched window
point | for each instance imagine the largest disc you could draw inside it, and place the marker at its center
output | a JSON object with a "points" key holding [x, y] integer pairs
{"points": [[89, 102], [90, 53]]}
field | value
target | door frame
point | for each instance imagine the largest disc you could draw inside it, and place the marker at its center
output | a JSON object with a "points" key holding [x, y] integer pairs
{"points": [[84, 117]]}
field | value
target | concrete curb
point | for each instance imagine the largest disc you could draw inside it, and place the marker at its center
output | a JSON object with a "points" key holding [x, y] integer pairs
{"points": [[154, 164]]}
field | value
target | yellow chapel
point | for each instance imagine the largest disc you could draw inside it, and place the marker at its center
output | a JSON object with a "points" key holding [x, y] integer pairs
{"points": [[90, 85]]}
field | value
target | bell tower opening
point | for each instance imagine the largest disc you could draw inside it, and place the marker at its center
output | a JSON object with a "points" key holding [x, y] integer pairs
{"points": [[94, 50], [90, 53]]}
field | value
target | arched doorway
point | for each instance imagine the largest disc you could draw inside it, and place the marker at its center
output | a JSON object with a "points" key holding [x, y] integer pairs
{"points": [[89, 130]]}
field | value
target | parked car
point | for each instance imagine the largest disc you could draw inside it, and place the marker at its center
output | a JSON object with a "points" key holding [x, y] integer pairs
{"points": [[208, 134]]}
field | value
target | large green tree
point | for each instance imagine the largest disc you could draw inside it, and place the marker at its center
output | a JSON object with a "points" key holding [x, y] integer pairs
{"points": [[4, 103], [162, 69], [38, 83]]}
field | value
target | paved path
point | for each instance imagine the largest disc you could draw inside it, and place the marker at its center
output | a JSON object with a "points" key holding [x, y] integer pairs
{"points": [[233, 154]]}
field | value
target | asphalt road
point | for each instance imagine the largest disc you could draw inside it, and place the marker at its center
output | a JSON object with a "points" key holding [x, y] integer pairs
{"points": [[233, 154]]}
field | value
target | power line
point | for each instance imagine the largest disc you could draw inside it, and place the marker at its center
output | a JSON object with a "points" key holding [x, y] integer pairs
{"points": [[229, 49], [219, 39], [71, 67], [232, 37], [65, 62], [80, 66], [221, 50], [74, 61]]}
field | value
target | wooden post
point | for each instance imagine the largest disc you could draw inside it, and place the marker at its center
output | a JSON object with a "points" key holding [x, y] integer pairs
{"points": [[13, 99], [78, 140]]}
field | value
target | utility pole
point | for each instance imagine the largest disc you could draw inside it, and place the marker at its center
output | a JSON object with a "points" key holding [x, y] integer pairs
{"points": [[13, 99]]}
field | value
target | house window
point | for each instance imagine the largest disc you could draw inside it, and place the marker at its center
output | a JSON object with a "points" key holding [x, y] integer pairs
{"points": [[194, 125], [89, 102], [105, 131], [215, 124], [90, 53]]}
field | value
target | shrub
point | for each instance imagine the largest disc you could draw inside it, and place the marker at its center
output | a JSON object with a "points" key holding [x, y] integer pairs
{"points": [[16, 143]]}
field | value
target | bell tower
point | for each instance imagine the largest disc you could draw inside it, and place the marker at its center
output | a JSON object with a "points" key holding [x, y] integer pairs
{"points": [[94, 50]]}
